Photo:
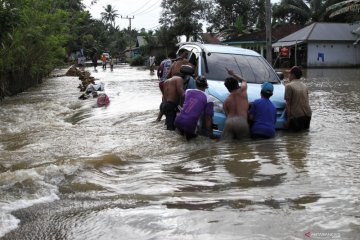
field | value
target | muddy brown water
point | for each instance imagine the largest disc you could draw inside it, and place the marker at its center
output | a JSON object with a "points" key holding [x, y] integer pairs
{"points": [[72, 171]]}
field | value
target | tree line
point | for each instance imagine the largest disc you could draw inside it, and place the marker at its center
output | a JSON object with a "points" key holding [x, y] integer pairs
{"points": [[37, 36]]}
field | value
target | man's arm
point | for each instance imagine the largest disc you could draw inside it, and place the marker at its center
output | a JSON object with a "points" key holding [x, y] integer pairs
{"points": [[238, 77], [208, 124], [287, 98], [160, 70]]}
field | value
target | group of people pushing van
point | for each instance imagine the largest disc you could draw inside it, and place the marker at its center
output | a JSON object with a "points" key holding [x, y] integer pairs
{"points": [[188, 108]]}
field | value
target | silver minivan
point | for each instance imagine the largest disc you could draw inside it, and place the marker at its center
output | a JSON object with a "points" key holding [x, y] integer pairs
{"points": [[210, 61]]}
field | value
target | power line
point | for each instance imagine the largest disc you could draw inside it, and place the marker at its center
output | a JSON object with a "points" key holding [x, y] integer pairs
{"points": [[140, 8], [148, 9], [179, 12], [129, 18]]}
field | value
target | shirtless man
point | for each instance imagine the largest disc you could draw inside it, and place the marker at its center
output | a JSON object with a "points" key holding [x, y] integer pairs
{"points": [[181, 60], [173, 91], [236, 107]]}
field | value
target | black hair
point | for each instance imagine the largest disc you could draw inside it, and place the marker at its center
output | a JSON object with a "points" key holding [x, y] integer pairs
{"points": [[296, 71], [266, 94], [231, 84], [187, 69], [201, 82], [182, 51]]}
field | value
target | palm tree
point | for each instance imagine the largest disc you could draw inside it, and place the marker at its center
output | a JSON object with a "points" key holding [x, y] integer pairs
{"points": [[304, 11], [110, 15], [344, 7], [237, 28], [348, 6]]}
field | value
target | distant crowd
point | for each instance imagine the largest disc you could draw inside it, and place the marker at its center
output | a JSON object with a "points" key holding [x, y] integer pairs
{"points": [[189, 109]]}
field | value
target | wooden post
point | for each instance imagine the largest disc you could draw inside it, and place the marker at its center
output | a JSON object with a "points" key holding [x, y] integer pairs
{"points": [[296, 53], [268, 31]]}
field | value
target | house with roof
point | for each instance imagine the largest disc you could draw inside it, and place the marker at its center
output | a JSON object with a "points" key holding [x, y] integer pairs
{"points": [[322, 45], [257, 40], [135, 50]]}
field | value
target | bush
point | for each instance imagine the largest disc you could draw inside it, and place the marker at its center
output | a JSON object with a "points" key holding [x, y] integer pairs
{"points": [[137, 61]]}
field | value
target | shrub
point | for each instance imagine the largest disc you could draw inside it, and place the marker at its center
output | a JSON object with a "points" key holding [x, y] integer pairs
{"points": [[137, 61]]}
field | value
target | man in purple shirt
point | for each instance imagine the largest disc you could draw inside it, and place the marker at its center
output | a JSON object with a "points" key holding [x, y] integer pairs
{"points": [[196, 104]]}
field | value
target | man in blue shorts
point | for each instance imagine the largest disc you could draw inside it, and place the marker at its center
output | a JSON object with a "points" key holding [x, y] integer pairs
{"points": [[196, 104], [262, 114]]}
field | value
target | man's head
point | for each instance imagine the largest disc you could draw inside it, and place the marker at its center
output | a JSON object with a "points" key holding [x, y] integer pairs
{"points": [[186, 70], [296, 71], [201, 82], [183, 53], [231, 84], [267, 89]]}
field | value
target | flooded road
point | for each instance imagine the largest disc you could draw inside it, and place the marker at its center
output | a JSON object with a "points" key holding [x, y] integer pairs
{"points": [[72, 171]]}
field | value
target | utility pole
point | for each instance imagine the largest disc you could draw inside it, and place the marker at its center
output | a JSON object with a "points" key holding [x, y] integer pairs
{"points": [[130, 18], [268, 31]]}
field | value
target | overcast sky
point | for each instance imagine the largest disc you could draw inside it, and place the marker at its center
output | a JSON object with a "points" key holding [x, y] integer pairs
{"points": [[146, 13]]}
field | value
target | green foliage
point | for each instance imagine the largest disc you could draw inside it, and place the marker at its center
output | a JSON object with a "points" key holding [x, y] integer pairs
{"points": [[37, 35], [225, 13], [183, 17], [137, 61], [109, 15], [303, 11], [167, 38], [34, 44], [350, 7]]}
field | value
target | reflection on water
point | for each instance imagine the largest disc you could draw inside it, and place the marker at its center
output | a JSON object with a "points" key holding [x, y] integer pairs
{"points": [[72, 171]]}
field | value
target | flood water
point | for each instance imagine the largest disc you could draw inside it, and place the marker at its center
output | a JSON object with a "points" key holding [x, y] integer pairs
{"points": [[72, 171]]}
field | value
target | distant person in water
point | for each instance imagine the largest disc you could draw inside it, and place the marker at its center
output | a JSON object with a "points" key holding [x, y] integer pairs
{"points": [[236, 107], [111, 62], [94, 60], [103, 61], [196, 104], [152, 64]]}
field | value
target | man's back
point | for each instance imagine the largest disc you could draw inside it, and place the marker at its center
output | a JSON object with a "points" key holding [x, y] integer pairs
{"points": [[236, 104], [173, 89], [296, 94], [194, 105], [175, 67]]}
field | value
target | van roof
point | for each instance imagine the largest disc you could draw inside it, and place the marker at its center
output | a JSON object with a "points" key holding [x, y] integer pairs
{"points": [[217, 48]]}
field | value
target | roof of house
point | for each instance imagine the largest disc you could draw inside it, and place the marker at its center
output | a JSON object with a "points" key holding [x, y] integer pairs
{"points": [[321, 32], [140, 41], [277, 31], [210, 38]]}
